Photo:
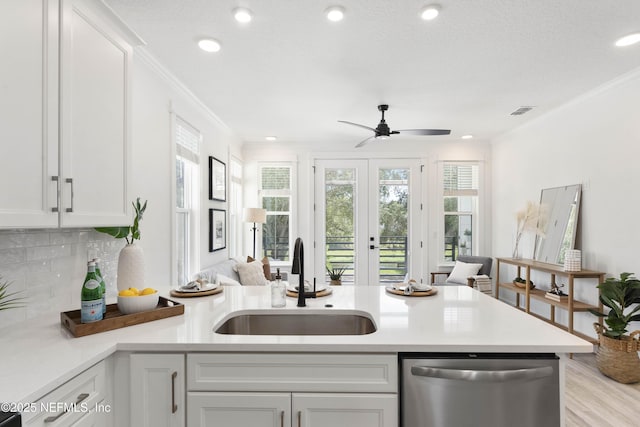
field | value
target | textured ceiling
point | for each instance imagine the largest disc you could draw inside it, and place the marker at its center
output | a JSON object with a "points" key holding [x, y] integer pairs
{"points": [[293, 74]]}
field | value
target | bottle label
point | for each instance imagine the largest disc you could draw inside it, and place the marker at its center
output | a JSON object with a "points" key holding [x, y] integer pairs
{"points": [[91, 311], [91, 284]]}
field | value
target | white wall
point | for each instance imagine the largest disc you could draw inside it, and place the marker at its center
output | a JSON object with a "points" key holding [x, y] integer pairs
{"points": [[594, 141]]}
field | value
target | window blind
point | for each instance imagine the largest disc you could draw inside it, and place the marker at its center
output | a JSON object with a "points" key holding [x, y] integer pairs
{"points": [[187, 141]]}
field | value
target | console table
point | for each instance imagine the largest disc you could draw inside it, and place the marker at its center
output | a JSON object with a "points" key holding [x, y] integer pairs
{"points": [[570, 305]]}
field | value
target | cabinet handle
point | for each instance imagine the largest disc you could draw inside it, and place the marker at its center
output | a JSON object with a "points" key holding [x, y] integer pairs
{"points": [[79, 399], [70, 181], [174, 407], [299, 418], [55, 179], [281, 418]]}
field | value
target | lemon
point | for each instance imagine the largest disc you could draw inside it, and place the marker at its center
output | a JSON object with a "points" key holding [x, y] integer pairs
{"points": [[127, 293], [135, 291], [148, 291]]}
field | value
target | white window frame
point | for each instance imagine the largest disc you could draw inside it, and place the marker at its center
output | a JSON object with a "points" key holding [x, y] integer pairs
{"points": [[236, 226], [291, 194], [192, 210], [477, 215]]}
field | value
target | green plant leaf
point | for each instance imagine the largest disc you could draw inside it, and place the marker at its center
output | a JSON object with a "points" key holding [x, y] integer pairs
{"points": [[117, 232]]}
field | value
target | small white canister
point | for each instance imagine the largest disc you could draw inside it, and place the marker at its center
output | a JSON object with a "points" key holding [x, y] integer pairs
{"points": [[572, 260]]}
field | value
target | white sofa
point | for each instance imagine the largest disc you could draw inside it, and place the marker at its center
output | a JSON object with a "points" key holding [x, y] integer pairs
{"points": [[226, 273]]}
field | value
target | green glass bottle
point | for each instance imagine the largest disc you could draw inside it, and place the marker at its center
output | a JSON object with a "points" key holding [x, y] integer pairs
{"points": [[103, 285], [91, 296]]}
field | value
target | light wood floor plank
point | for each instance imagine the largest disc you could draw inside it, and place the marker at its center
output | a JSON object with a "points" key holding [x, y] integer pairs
{"points": [[593, 399]]}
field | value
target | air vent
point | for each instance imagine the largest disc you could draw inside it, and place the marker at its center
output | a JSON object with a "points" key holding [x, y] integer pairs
{"points": [[520, 111]]}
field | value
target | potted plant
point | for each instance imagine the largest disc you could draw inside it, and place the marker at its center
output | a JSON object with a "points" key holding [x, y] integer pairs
{"points": [[335, 274], [131, 258], [617, 355], [8, 299]]}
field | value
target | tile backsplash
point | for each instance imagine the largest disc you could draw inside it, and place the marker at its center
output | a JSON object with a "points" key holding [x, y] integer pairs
{"points": [[48, 266]]}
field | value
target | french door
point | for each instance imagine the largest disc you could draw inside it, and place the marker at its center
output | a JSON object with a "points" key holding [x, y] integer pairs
{"points": [[368, 219]]}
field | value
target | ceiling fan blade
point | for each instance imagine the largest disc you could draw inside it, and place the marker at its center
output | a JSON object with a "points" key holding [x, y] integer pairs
{"points": [[425, 131], [361, 143], [356, 124]]}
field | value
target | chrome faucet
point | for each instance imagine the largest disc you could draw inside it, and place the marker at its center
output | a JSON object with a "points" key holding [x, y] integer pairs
{"points": [[298, 268]]}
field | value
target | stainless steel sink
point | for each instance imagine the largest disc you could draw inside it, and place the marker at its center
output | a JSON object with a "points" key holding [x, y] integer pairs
{"points": [[329, 322]]}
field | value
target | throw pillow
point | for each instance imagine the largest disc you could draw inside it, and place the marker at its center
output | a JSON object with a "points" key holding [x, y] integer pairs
{"points": [[461, 271], [221, 279], [251, 273], [265, 266]]}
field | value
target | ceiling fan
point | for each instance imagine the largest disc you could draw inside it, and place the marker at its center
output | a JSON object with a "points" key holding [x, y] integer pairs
{"points": [[382, 131]]}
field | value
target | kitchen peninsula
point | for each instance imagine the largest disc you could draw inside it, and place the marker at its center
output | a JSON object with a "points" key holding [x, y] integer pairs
{"points": [[41, 355]]}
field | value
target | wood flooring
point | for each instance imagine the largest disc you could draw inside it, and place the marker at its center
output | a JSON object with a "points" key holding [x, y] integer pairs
{"points": [[594, 400]]}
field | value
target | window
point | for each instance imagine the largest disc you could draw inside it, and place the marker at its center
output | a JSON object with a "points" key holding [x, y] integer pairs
{"points": [[235, 209], [276, 197], [460, 185], [187, 201]]}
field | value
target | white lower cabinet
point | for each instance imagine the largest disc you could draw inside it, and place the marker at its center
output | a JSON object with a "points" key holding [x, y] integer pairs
{"points": [[239, 409], [291, 409], [292, 390], [157, 396]]}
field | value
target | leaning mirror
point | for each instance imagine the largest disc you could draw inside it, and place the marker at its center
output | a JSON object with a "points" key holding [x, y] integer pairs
{"points": [[561, 205]]}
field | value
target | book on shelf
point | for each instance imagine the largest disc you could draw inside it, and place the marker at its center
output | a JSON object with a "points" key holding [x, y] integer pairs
{"points": [[556, 297]]}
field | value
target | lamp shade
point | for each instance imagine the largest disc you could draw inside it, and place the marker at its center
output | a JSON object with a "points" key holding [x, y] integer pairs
{"points": [[257, 215]]}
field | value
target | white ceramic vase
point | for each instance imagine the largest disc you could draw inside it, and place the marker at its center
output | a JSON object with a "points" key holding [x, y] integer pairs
{"points": [[131, 267]]}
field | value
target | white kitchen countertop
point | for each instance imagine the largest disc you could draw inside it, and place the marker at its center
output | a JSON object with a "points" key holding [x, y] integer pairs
{"points": [[40, 354]]}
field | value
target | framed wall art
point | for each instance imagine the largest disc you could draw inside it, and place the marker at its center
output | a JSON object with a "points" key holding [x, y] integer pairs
{"points": [[217, 229], [217, 180]]}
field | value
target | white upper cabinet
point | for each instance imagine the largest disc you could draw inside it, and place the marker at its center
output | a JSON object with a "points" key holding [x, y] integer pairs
{"points": [[28, 113], [94, 119], [65, 104]]}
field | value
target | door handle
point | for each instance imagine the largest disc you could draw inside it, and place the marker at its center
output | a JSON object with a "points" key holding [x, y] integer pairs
{"points": [[79, 399], [70, 181], [473, 375], [174, 407], [373, 247], [55, 179], [281, 418], [299, 418]]}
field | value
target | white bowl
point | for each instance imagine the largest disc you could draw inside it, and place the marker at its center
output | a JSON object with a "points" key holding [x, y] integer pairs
{"points": [[129, 305]]}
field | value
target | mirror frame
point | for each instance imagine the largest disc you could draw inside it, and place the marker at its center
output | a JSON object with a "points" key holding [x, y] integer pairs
{"points": [[567, 239]]}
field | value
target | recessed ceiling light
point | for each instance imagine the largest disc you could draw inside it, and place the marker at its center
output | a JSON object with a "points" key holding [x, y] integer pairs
{"points": [[242, 14], [270, 138], [466, 136], [430, 12], [209, 45], [628, 40], [335, 13]]}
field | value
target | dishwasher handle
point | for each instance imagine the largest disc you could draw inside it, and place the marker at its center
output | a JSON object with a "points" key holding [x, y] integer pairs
{"points": [[473, 375]]}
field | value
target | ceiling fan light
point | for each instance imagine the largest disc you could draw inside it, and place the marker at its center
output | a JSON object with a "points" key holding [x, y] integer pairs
{"points": [[628, 40], [242, 15], [209, 45], [335, 13], [430, 12]]}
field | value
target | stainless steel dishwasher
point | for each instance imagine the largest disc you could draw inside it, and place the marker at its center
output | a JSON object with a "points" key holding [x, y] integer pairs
{"points": [[496, 390]]}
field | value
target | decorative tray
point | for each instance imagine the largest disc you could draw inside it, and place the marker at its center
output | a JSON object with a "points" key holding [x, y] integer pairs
{"points": [[113, 319], [394, 291], [176, 293]]}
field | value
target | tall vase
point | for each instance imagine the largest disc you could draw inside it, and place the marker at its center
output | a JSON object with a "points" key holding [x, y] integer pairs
{"points": [[131, 267]]}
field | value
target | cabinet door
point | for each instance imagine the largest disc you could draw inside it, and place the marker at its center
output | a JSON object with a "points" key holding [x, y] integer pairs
{"points": [[157, 390], [344, 410], [226, 409], [94, 123], [28, 113]]}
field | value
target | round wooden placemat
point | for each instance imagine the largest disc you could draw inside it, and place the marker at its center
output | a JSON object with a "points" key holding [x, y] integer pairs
{"points": [[322, 293], [433, 291], [178, 294]]}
